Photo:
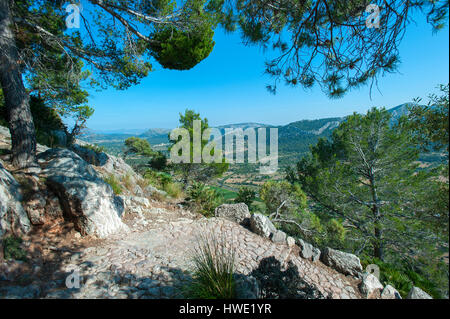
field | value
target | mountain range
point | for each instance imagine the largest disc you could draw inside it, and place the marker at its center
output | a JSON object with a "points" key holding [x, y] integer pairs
{"points": [[293, 139]]}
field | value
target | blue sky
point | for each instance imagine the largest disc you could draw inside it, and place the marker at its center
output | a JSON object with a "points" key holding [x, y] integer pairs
{"points": [[229, 87]]}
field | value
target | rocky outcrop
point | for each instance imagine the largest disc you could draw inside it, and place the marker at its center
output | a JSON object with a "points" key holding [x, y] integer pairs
{"points": [[370, 285], [345, 263], [86, 199], [390, 292], [238, 213], [417, 293], [261, 225], [12, 214]]}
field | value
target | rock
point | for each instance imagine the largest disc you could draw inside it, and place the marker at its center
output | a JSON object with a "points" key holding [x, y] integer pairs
{"points": [[89, 155], [238, 213], [35, 208], [279, 237], [85, 197], [290, 241], [345, 263], [417, 293], [315, 254], [390, 292], [12, 214], [149, 189], [306, 249], [262, 225], [369, 285], [246, 287], [140, 201]]}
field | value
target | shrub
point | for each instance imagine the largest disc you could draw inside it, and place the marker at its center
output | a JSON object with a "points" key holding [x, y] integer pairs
{"points": [[127, 181], [213, 270], [245, 195], [174, 190], [157, 179], [12, 249], [158, 161], [94, 147], [204, 198], [274, 193], [114, 183]]}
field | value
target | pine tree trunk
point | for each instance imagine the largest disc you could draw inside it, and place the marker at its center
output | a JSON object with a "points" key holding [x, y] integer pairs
{"points": [[16, 97], [378, 246]]}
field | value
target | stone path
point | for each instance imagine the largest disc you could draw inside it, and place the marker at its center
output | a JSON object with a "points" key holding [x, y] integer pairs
{"points": [[154, 260]]}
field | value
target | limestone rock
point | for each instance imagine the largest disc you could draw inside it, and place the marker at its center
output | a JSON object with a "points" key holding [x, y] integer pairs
{"points": [[390, 292], [12, 213], [279, 237], [306, 249], [370, 284], [345, 263], [315, 254], [262, 225], [417, 293], [290, 241], [35, 208], [85, 197], [238, 213]]}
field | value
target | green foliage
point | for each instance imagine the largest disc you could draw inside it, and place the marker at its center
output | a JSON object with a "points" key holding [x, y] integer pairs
{"points": [[182, 50], [213, 270], [12, 249], [227, 194], [245, 195], [158, 161], [46, 121], [174, 190], [402, 278], [430, 122], [203, 198], [138, 146], [94, 147], [158, 179], [275, 193], [114, 183], [326, 43], [200, 172]]}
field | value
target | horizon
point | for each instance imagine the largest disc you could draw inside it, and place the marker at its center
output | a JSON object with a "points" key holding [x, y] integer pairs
{"points": [[143, 130]]}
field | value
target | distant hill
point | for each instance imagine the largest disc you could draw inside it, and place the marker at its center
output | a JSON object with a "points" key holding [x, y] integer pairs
{"points": [[294, 138]]}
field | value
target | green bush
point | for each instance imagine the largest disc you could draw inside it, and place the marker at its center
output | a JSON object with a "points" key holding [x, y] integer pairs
{"points": [[158, 161], [12, 249], [182, 50], [245, 195], [114, 183], [96, 148], [174, 190], [204, 199], [400, 278], [213, 270], [157, 179]]}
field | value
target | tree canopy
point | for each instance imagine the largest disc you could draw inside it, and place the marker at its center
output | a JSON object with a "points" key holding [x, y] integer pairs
{"points": [[368, 174]]}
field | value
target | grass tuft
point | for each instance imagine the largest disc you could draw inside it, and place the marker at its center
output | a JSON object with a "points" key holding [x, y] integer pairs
{"points": [[213, 270]]}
